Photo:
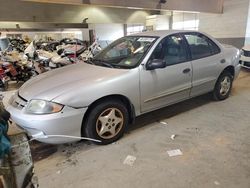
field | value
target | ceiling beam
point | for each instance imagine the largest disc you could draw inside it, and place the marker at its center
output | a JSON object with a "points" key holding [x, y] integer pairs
{"points": [[212, 6], [39, 26]]}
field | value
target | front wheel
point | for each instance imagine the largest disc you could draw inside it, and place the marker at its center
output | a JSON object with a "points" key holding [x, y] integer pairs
{"points": [[107, 121], [223, 86]]}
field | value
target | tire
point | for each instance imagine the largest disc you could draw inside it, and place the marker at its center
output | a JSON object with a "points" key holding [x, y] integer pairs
{"points": [[223, 86], [33, 73], [107, 121], [4, 85]]}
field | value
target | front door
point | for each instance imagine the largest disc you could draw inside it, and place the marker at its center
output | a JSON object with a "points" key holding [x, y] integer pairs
{"points": [[162, 87]]}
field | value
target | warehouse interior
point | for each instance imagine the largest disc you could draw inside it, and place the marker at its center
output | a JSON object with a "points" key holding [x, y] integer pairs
{"points": [[200, 142]]}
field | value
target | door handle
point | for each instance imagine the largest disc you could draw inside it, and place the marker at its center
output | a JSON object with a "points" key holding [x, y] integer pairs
{"points": [[223, 61], [185, 71]]}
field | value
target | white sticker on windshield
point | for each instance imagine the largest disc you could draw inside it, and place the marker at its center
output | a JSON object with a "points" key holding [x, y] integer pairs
{"points": [[146, 39]]}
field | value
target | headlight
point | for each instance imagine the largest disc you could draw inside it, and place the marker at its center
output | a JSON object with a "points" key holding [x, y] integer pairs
{"points": [[43, 107]]}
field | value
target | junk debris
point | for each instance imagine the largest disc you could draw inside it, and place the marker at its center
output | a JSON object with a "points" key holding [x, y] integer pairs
{"points": [[129, 160], [173, 136], [173, 153]]}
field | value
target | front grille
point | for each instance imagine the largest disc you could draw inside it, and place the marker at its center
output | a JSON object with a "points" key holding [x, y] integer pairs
{"points": [[246, 53], [245, 64], [18, 102]]}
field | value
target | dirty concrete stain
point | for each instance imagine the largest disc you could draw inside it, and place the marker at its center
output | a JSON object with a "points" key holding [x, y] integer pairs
{"points": [[134, 148]]}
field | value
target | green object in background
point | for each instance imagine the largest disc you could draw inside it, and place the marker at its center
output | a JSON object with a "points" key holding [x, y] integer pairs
{"points": [[5, 144], [4, 141]]}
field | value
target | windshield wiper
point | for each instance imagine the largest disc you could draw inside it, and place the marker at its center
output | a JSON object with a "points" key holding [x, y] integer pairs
{"points": [[101, 62]]}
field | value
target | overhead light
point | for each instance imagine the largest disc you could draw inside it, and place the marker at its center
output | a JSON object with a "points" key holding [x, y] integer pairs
{"points": [[137, 8]]}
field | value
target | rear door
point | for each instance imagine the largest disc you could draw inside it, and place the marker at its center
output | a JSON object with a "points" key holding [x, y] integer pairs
{"points": [[206, 60]]}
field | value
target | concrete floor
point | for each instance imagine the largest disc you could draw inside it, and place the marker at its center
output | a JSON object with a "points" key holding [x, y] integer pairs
{"points": [[213, 136]]}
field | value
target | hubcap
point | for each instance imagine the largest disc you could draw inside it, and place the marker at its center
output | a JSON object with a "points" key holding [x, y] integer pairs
{"points": [[109, 123], [225, 86]]}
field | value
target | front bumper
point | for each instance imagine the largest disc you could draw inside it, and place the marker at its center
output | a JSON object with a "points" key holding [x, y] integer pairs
{"points": [[67, 122], [245, 61]]}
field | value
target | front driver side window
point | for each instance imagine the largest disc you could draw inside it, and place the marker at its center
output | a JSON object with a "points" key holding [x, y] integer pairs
{"points": [[171, 49]]}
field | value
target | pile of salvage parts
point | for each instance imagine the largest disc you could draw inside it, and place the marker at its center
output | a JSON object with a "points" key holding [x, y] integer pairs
{"points": [[22, 63], [16, 164]]}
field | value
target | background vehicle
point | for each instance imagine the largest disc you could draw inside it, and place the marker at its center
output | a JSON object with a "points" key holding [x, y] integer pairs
{"points": [[18, 45], [68, 55], [15, 68], [92, 50], [132, 76], [245, 57], [62, 53]]}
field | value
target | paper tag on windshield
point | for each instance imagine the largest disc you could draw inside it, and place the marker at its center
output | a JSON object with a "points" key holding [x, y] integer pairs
{"points": [[146, 39]]}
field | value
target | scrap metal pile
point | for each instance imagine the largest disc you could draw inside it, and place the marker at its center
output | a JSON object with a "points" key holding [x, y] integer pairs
{"points": [[20, 61]]}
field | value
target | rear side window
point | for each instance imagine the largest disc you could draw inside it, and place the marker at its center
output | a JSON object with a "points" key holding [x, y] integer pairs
{"points": [[201, 46]]}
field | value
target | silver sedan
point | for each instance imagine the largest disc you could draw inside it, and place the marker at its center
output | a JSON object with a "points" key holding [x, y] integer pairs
{"points": [[134, 75]]}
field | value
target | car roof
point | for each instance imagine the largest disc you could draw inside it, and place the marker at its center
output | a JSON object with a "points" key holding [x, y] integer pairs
{"points": [[161, 33]]}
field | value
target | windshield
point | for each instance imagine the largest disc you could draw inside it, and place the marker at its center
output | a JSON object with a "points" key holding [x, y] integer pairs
{"points": [[125, 52]]}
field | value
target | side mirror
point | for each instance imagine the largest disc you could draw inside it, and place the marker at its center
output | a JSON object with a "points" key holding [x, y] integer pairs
{"points": [[156, 64]]}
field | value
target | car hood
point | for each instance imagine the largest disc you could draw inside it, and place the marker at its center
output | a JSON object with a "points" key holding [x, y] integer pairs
{"points": [[247, 48], [227, 46], [52, 84]]}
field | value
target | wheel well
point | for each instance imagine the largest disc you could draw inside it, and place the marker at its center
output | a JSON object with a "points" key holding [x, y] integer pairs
{"points": [[230, 69], [120, 98]]}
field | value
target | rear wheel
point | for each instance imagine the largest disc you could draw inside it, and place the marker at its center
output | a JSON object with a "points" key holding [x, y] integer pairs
{"points": [[223, 86], [107, 121]]}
